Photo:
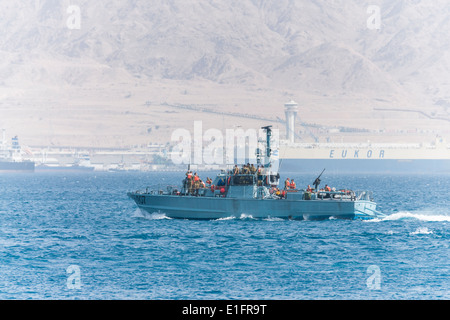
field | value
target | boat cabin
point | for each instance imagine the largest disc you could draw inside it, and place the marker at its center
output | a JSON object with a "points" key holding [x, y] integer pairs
{"points": [[227, 184]]}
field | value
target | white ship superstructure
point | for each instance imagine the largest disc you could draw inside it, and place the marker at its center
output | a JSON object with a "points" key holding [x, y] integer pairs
{"points": [[11, 159], [360, 157], [437, 151]]}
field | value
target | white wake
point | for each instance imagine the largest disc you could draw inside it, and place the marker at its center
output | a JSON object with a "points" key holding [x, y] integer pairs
{"points": [[138, 213], [418, 215]]}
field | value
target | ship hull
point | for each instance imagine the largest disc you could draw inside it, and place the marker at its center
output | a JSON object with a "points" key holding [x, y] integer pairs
{"points": [[46, 168], [10, 166], [367, 165], [190, 207]]}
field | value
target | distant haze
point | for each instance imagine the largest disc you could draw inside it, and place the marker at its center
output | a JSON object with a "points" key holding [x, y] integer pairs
{"points": [[102, 73]]}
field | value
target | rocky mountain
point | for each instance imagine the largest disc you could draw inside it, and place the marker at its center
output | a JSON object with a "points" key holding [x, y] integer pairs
{"points": [[71, 68]]}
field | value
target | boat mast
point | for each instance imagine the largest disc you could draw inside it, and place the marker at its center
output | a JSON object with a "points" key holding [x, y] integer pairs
{"points": [[267, 161]]}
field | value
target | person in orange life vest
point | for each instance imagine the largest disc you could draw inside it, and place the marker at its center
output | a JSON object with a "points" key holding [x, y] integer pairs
{"points": [[189, 182], [287, 184], [196, 183], [327, 188], [309, 189], [293, 185]]}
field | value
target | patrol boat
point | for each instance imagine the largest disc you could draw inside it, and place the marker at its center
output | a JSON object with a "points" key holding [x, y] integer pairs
{"points": [[255, 195]]}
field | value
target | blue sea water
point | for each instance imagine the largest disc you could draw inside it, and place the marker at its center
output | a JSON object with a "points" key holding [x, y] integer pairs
{"points": [[78, 236]]}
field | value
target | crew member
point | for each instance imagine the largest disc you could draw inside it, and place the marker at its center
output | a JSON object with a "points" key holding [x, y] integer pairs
{"points": [[191, 186], [236, 169], [196, 183], [287, 184], [309, 189], [293, 185], [327, 188], [277, 192], [189, 181], [259, 175], [193, 183]]}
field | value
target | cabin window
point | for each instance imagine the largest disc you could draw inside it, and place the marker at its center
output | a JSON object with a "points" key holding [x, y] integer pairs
{"points": [[274, 178], [242, 180]]}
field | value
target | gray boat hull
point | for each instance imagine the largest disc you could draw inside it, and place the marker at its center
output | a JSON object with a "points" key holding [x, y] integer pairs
{"points": [[191, 207], [22, 166]]}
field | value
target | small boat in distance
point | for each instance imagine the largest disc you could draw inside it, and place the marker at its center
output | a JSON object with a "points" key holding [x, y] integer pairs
{"points": [[255, 194]]}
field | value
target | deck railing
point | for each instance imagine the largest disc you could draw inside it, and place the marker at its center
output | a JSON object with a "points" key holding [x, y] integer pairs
{"points": [[263, 193]]}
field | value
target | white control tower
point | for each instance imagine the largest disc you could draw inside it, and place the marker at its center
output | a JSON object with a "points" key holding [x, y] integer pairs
{"points": [[290, 109]]}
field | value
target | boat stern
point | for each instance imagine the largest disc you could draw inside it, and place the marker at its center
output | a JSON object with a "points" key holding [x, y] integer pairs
{"points": [[366, 210]]}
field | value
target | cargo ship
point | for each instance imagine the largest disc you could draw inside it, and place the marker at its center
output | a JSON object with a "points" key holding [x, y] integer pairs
{"points": [[11, 159], [366, 158]]}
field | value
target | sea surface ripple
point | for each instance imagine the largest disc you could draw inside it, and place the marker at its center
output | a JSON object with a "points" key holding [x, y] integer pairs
{"points": [[78, 236]]}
